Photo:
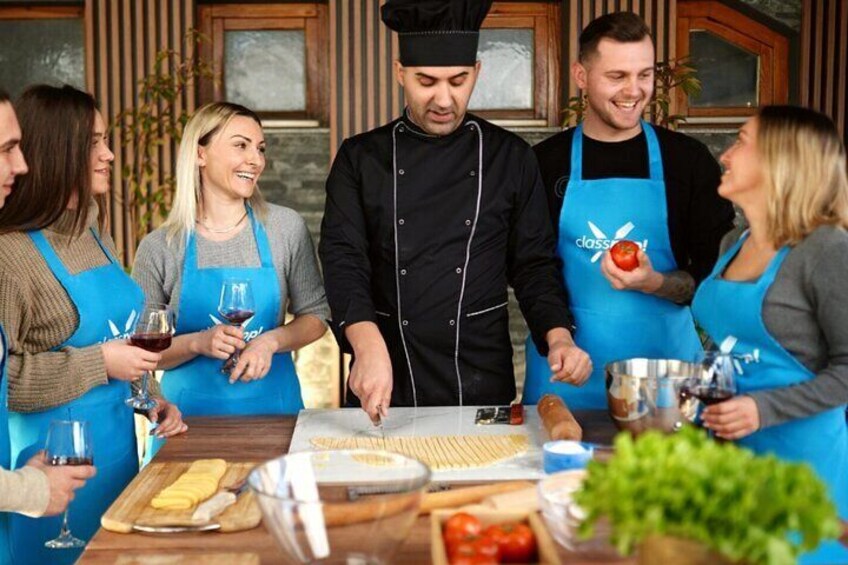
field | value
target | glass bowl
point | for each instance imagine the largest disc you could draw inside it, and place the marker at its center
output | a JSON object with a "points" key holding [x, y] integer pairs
{"points": [[343, 506], [563, 516]]}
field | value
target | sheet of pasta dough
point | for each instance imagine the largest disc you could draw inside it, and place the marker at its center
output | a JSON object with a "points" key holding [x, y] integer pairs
{"points": [[440, 453]]}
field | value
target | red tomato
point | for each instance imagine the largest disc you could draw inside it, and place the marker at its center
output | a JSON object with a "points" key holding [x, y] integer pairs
{"points": [[460, 525], [516, 542], [624, 255], [474, 549]]}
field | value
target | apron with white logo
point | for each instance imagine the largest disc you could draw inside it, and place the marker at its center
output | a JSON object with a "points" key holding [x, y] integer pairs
{"points": [[732, 310], [107, 301], [613, 324], [198, 387]]}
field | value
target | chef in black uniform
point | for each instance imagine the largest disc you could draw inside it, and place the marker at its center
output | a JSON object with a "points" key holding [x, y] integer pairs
{"points": [[428, 220]]}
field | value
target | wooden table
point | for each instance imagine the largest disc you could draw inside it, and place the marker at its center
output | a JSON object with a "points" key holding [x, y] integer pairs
{"points": [[258, 439]]}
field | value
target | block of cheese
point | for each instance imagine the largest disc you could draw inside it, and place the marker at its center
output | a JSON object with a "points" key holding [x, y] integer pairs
{"points": [[198, 483]]}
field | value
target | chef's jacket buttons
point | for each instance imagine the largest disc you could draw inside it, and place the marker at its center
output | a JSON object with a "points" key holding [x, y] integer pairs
{"points": [[452, 322], [400, 171], [467, 222], [403, 271], [401, 129], [405, 322], [400, 221], [472, 173], [458, 270]]}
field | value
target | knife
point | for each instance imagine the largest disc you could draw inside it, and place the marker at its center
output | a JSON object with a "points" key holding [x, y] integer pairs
{"points": [[380, 421], [218, 503]]}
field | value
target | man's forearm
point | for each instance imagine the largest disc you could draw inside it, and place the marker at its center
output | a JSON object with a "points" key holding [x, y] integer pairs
{"points": [[364, 336], [676, 286]]}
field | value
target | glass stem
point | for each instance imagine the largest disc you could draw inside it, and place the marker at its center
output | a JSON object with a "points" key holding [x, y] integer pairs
{"points": [[65, 532], [142, 391]]}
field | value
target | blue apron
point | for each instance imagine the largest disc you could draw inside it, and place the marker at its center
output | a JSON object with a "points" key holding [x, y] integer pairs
{"points": [[732, 308], [613, 324], [5, 457], [198, 387], [108, 302]]}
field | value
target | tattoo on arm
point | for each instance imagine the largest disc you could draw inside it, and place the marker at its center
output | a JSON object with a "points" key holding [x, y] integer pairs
{"points": [[677, 286]]}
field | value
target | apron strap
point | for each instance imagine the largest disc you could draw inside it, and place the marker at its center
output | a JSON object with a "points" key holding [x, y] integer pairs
{"points": [[49, 254], [261, 238], [655, 164]]}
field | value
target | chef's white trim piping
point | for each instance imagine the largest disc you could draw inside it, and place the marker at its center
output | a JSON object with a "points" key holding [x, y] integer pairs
{"points": [[475, 125], [397, 260], [501, 305]]}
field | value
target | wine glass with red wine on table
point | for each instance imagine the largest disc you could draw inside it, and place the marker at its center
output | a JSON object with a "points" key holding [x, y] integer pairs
{"points": [[153, 332], [714, 381], [68, 443], [237, 307]]}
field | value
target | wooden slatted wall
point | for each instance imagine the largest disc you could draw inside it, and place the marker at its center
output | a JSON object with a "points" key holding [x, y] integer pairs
{"points": [[660, 15], [824, 59], [123, 38], [364, 93]]}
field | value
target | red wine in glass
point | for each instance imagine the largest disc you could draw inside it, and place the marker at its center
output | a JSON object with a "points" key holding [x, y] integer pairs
{"points": [[57, 460], [706, 394], [238, 317], [155, 342]]}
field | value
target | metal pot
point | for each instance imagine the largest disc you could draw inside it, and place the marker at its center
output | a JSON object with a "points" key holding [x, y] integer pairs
{"points": [[644, 394]]}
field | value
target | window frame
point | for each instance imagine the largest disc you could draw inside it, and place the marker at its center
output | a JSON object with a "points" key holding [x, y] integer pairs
{"points": [[64, 12], [545, 21], [771, 47], [216, 19]]}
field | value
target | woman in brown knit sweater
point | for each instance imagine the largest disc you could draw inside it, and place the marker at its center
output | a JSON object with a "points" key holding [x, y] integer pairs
{"points": [[62, 295]]}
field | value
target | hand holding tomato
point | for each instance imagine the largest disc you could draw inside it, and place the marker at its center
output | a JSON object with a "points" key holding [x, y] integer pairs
{"points": [[624, 255], [643, 277]]}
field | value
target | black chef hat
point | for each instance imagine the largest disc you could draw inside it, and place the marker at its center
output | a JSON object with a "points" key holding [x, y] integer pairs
{"points": [[436, 33]]}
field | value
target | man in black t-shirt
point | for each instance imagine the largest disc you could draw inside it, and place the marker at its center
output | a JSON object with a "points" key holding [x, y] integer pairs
{"points": [[616, 177]]}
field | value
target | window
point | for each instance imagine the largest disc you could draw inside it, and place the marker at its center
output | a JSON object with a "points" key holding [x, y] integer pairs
{"points": [[41, 45], [741, 63], [271, 58], [519, 52]]}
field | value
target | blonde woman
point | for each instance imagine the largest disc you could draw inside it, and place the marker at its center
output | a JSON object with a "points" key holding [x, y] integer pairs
{"points": [[778, 298], [221, 228]]}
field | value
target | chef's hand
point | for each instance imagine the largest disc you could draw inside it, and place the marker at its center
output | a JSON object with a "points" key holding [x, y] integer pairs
{"points": [[568, 363], [371, 375], [127, 362], [63, 481], [255, 361], [732, 419], [643, 278], [218, 342], [168, 417]]}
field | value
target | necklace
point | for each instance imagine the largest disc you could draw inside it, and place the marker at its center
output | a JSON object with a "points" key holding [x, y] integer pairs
{"points": [[222, 230]]}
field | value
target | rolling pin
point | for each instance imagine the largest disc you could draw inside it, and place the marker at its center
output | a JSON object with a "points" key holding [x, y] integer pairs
{"points": [[467, 495], [557, 419]]}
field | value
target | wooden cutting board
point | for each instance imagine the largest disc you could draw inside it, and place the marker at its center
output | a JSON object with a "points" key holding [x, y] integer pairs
{"points": [[132, 507]]}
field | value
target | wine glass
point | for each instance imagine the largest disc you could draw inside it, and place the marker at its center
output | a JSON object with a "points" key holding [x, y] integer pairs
{"points": [[713, 381], [237, 307], [68, 443], [153, 331]]}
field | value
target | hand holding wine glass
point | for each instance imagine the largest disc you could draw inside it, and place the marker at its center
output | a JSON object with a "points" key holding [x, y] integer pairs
{"points": [[68, 443], [153, 331], [714, 381], [237, 307]]}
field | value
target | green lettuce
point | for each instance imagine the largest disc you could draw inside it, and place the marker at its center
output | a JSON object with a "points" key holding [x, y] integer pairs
{"points": [[753, 509]]}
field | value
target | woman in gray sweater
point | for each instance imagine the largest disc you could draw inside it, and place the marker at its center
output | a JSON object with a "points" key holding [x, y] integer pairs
{"points": [[778, 298], [221, 229]]}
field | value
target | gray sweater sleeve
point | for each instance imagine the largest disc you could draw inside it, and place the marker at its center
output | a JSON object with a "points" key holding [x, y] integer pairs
{"points": [[806, 311]]}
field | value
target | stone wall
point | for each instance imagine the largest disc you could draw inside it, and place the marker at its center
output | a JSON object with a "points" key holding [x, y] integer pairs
{"points": [[785, 11]]}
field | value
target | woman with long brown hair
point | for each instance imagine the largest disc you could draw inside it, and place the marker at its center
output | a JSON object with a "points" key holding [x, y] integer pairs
{"points": [[778, 298], [62, 294]]}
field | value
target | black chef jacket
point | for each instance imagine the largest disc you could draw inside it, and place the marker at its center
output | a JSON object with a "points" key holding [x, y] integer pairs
{"points": [[421, 235]]}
